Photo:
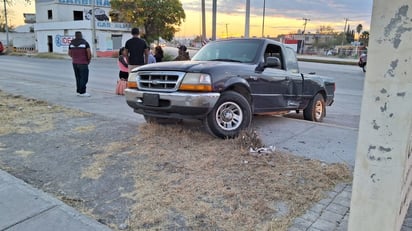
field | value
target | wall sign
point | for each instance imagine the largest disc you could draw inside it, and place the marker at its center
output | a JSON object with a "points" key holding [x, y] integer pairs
{"points": [[63, 40], [112, 25], [101, 3]]}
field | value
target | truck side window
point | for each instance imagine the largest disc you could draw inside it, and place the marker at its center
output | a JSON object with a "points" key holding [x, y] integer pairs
{"points": [[291, 60], [274, 51]]}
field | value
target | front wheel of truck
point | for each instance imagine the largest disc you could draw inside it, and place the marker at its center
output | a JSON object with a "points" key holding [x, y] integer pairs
{"points": [[230, 115]]}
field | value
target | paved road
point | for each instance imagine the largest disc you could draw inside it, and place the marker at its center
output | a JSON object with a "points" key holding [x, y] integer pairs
{"points": [[332, 141], [33, 77]]}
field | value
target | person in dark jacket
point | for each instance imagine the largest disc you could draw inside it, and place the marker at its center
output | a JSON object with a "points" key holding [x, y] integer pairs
{"points": [[79, 51]]}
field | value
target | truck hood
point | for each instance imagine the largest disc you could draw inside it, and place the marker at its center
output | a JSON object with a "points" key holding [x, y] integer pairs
{"points": [[194, 66]]}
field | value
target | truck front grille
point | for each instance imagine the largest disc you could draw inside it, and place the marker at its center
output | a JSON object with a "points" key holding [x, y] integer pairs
{"points": [[159, 81]]}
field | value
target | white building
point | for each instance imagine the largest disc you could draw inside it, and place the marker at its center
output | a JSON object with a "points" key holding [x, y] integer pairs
{"points": [[58, 20]]}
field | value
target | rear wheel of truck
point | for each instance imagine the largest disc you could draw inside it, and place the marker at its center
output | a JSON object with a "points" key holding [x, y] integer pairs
{"points": [[315, 111], [231, 114]]}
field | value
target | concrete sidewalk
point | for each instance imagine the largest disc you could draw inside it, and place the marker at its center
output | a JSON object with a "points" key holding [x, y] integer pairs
{"points": [[24, 208]]}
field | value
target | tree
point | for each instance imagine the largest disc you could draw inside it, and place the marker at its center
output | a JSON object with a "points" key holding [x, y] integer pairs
{"points": [[364, 38], [350, 35], [358, 30], [160, 18], [3, 27], [326, 30]]}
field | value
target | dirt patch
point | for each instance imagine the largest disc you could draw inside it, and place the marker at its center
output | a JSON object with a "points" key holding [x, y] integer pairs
{"points": [[158, 177]]}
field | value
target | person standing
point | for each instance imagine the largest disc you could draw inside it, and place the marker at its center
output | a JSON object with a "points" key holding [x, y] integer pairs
{"points": [[79, 51], [158, 54], [122, 64], [151, 58], [137, 50], [123, 72], [182, 54]]}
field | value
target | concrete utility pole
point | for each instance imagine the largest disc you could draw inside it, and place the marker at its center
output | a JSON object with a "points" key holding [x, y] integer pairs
{"points": [[203, 22], [344, 30], [304, 24], [382, 188], [247, 18], [214, 9], [263, 18], [93, 21], [227, 32], [6, 24]]}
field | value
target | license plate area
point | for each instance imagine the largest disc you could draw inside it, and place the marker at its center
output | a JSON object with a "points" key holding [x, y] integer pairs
{"points": [[151, 100]]}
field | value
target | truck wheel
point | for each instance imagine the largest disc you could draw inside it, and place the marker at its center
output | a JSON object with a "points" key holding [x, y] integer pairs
{"points": [[315, 111], [231, 114]]}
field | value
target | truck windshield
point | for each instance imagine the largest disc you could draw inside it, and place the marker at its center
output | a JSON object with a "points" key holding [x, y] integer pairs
{"points": [[231, 51]]}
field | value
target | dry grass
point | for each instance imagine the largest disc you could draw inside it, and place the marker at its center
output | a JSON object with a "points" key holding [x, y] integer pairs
{"points": [[25, 115], [196, 181], [186, 178]]}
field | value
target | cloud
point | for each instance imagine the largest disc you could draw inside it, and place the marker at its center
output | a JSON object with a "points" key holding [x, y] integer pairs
{"points": [[316, 10]]}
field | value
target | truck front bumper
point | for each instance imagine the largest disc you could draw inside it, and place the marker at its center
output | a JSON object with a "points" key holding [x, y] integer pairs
{"points": [[180, 105]]}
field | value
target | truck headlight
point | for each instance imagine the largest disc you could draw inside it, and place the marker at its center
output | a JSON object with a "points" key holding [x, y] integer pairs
{"points": [[196, 82], [132, 80]]}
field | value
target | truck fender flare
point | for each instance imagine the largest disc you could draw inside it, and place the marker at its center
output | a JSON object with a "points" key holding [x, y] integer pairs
{"points": [[239, 85], [236, 81]]}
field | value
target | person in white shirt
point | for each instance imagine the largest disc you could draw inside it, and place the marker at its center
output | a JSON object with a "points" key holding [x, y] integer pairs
{"points": [[151, 58]]}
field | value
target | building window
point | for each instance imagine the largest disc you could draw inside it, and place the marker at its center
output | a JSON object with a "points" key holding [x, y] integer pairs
{"points": [[49, 14], [77, 15]]}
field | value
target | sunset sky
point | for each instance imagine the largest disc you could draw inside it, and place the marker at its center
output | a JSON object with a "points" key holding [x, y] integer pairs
{"points": [[281, 16]]}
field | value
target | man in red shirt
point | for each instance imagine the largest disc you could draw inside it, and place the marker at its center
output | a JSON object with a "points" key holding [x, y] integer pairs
{"points": [[79, 50]]}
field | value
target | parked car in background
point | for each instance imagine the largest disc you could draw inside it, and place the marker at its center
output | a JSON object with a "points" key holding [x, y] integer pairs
{"points": [[1, 47]]}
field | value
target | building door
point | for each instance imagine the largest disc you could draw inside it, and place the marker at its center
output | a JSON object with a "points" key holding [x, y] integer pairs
{"points": [[50, 43], [117, 41]]}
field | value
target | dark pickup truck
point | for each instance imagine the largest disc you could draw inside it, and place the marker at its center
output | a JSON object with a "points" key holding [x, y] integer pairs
{"points": [[226, 83]]}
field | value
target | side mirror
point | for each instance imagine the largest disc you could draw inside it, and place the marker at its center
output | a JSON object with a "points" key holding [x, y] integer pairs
{"points": [[272, 62]]}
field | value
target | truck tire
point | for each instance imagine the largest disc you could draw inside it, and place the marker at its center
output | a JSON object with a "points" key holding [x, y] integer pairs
{"points": [[316, 110], [231, 114]]}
